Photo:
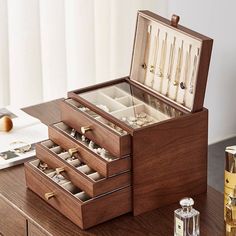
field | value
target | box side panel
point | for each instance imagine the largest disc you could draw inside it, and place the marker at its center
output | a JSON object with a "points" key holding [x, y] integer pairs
{"points": [[170, 162]]}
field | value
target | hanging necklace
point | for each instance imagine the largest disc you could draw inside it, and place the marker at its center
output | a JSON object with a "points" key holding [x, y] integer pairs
{"points": [[186, 68], [150, 73], [191, 86], [146, 50], [159, 75], [163, 56], [156, 43], [170, 65], [179, 64], [178, 69]]}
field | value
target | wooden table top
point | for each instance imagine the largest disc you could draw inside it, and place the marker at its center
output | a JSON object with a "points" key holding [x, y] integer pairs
{"points": [[158, 222]]}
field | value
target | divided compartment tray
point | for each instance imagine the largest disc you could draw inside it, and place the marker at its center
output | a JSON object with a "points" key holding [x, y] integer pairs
{"points": [[117, 144], [133, 107], [80, 174], [60, 134], [73, 202]]}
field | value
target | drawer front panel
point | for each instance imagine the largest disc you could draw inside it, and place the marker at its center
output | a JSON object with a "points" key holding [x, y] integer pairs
{"points": [[85, 213], [106, 168], [66, 204], [35, 231], [118, 145], [11, 221]]}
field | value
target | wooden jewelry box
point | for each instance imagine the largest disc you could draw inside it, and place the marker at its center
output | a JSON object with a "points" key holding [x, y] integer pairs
{"points": [[135, 143]]}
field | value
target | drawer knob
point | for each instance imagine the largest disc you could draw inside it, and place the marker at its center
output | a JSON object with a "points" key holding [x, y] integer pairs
{"points": [[84, 129], [49, 195], [72, 151], [59, 170]]}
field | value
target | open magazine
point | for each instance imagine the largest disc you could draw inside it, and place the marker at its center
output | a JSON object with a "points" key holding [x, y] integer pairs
{"points": [[26, 131]]}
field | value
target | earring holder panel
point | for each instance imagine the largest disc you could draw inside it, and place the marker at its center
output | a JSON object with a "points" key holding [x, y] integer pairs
{"points": [[200, 43]]}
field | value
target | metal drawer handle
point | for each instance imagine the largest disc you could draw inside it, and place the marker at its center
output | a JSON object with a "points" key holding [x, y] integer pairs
{"points": [[84, 129], [72, 151], [49, 195], [59, 170]]}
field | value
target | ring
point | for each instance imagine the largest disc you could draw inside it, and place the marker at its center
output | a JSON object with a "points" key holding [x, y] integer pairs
{"points": [[42, 166]]}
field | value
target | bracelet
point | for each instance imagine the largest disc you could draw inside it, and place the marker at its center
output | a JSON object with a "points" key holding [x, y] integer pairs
{"points": [[19, 147]]}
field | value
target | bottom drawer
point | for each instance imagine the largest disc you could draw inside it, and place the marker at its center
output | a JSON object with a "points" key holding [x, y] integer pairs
{"points": [[74, 203], [11, 221]]}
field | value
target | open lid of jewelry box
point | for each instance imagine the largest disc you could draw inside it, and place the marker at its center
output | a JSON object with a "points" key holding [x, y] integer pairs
{"points": [[171, 60]]}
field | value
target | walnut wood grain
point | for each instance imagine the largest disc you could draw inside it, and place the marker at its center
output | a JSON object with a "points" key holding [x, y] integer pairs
{"points": [[48, 112], [84, 214], [157, 222], [11, 221], [107, 138], [170, 161], [78, 178], [33, 230], [106, 168]]}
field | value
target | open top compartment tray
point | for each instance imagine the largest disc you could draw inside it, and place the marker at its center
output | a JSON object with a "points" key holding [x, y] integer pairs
{"points": [[126, 105]]}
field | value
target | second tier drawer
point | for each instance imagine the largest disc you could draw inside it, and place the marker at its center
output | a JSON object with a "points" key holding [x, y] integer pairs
{"points": [[75, 203], [80, 174], [116, 143], [89, 152]]}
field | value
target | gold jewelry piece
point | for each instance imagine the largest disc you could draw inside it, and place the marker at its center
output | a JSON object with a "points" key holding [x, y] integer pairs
{"points": [[163, 57], [19, 147], [156, 43]]}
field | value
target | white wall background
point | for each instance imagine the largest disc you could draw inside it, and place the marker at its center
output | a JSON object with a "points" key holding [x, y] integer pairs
{"points": [[50, 47], [216, 19]]}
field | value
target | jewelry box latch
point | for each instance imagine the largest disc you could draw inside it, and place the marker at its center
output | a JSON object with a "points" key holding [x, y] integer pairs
{"points": [[175, 20]]}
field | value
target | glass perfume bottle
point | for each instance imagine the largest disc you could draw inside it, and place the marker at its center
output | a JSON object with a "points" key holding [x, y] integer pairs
{"points": [[230, 214], [186, 219]]}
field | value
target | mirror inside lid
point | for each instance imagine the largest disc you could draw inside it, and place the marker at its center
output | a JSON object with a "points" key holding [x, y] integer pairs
{"points": [[171, 60]]}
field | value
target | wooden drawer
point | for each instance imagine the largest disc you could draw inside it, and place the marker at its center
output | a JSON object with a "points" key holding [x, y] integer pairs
{"points": [[11, 221], [107, 166], [117, 144], [34, 230], [80, 174], [74, 203]]}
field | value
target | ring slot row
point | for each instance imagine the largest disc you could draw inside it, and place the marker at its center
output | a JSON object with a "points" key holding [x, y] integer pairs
{"points": [[76, 163]]}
